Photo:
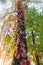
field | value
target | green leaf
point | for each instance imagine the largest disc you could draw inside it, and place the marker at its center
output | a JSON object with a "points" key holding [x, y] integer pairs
{"points": [[8, 38]]}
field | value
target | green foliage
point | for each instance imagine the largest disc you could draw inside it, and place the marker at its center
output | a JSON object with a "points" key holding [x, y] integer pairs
{"points": [[8, 38], [3, 1], [32, 18], [34, 23]]}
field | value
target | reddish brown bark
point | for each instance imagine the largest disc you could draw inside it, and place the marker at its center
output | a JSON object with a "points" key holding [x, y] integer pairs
{"points": [[20, 55]]}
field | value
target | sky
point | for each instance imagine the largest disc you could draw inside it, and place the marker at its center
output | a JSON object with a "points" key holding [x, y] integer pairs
{"points": [[5, 6], [8, 5]]}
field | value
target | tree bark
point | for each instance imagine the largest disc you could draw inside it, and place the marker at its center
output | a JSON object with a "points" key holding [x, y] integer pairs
{"points": [[20, 55]]}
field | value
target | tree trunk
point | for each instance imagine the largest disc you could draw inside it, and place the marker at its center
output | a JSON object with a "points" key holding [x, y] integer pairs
{"points": [[37, 59], [20, 55], [36, 56]]}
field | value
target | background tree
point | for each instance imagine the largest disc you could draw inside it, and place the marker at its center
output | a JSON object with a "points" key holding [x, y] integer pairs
{"points": [[33, 30]]}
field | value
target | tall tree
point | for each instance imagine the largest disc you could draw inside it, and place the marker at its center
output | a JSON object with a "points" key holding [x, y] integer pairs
{"points": [[20, 54], [33, 24]]}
